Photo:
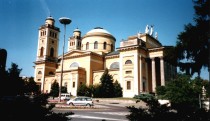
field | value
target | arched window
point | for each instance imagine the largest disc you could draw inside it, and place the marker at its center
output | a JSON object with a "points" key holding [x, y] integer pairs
{"points": [[42, 51], [112, 47], [128, 62], [104, 45], [39, 72], [51, 73], [74, 64], [95, 45], [65, 84], [87, 46], [114, 65], [51, 52]]}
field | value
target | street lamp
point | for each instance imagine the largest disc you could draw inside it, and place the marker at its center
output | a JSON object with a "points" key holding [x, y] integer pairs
{"points": [[209, 66], [64, 21]]}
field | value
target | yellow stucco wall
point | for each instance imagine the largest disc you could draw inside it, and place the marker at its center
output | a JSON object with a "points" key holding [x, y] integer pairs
{"points": [[100, 41]]}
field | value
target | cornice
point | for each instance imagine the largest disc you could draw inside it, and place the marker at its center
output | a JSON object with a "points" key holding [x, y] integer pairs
{"points": [[128, 48], [99, 34], [156, 49], [112, 56]]}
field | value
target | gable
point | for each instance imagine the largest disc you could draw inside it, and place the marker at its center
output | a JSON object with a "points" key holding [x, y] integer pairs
{"points": [[76, 53]]}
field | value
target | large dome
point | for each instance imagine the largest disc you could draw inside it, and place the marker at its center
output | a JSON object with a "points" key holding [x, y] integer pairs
{"points": [[98, 30], [98, 40]]}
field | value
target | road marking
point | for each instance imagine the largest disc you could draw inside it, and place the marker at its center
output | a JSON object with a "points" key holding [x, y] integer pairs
{"points": [[114, 113], [93, 117]]}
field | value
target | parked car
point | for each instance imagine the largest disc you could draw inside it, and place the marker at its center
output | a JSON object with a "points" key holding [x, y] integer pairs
{"points": [[80, 101], [65, 96]]}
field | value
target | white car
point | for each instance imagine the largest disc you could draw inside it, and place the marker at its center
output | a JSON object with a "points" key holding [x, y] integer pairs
{"points": [[65, 96], [80, 101]]}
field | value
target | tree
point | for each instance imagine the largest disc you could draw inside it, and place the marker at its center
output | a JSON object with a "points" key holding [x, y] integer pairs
{"points": [[117, 89], [21, 108], [82, 90], [63, 89], [183, 92], [192, 44], [31, 86], [183, 95], [107, 86], [15, 83], [156, 112], [54, 89]]}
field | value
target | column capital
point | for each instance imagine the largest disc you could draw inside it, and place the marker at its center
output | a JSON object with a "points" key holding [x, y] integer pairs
{"points": [[152, 58], [142, 57], [161, 57]]}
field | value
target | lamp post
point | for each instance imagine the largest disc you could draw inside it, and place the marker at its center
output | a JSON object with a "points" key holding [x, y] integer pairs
{"points": [[209, 66], [64, 21]]}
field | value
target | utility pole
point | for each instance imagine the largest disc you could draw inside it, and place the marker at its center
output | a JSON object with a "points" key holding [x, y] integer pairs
{"points": [[64, 21], [209, 66]]}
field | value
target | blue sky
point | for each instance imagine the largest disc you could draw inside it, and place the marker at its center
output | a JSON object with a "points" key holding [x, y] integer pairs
{"points": [[21, 19]]}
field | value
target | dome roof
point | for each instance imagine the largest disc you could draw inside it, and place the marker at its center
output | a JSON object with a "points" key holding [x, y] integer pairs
{"points": [[50, 18], [98, 30]]}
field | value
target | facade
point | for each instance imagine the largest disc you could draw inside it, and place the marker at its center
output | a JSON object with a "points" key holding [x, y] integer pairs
{"points": [[138, 64]]}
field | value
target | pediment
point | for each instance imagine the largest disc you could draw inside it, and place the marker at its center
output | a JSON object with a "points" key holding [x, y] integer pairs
{"points": [[76, 53]]}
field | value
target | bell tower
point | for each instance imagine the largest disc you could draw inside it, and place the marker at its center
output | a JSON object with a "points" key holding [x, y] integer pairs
{"points": [[47, 51], [48, 41], [74, 42]]}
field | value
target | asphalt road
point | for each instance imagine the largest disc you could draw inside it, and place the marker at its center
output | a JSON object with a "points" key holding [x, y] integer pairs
{"points": [[106, 112]]}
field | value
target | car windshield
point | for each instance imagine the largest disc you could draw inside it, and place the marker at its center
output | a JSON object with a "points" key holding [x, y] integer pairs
{"points": [[82, 99]]}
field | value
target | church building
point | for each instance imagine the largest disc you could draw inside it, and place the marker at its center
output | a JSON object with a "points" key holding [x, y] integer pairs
{"points": [[137, 64]]}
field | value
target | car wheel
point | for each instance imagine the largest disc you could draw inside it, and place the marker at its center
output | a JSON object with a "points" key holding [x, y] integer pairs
{"points": [[88, 105], [71, 104]]}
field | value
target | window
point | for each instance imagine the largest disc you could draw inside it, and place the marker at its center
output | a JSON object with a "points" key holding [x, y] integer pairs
{"points": [[144, 86], [73, 84], [55, 35], [74, 64], [104, 45], [87, 46], [128, 72], [39, 72], [51, 52], [128, 62], [65, 84], [114, 65], [95, 45], [112, 47], [51, 73], [128, 85], [41, 51]]}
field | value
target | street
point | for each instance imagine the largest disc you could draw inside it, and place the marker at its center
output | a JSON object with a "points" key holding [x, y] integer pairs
{"points": [[106, 112]]}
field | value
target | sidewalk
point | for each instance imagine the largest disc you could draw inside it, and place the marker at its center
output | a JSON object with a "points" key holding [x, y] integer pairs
{"points": [[120, 102], [100, 103]]}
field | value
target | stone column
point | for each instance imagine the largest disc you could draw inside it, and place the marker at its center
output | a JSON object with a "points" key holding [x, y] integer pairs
{"points": [[162, 73], [136, 74], [147, 86], [76, 83], [141, 82], [153, 75]]}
